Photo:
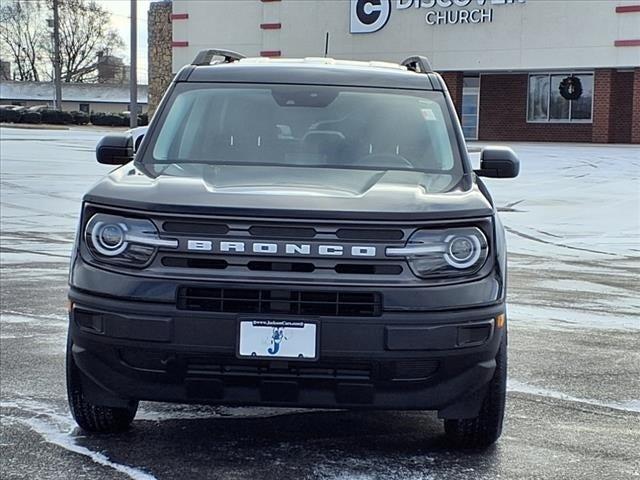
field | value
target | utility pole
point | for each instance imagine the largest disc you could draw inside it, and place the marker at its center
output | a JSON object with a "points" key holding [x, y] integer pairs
{"points": [[133, 73], [56, 57]]}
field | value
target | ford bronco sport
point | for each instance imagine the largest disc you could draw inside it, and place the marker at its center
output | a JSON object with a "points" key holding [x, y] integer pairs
{"points": [[303, 233]]}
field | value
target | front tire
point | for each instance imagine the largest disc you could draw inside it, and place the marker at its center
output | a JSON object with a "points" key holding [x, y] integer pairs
{"points": [[482, 431], [88, 415]]}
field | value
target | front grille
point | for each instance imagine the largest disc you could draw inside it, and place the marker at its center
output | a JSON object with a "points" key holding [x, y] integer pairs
{"points": [[280, 301], [294, 253], [196, 228], [368, 269], [194, 262], [282, 232], [369, 234], [202, 262], [246, 263], [293, 231], [281, 266], [351, 370], [400, 370]]}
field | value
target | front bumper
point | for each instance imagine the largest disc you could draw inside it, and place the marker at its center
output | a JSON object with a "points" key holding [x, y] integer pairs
{"points": [[128, 349]]}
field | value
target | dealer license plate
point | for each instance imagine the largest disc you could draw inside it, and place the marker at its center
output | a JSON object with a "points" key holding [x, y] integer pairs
{"points": [[277, 339]]}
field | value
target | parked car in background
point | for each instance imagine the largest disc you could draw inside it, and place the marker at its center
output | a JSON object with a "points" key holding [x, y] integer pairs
{"points": [[137, 134]]}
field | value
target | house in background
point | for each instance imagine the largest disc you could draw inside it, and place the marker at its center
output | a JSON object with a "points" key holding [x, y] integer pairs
{"points": [[5, 70], [111, 69], [84, 97]]}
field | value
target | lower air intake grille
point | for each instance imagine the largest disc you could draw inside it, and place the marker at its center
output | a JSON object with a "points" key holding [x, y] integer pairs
{"points": [[289, 302]]}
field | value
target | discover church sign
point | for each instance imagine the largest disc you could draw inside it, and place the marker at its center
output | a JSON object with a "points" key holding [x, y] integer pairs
{"points": [[368, 16], [517, 70]]}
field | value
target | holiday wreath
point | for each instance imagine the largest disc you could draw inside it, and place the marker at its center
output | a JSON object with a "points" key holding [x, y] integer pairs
{"points": [[571, 88]]}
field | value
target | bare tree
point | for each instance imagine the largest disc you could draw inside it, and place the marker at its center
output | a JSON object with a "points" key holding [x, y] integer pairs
{"points": [[22, 35], [85, 32]]}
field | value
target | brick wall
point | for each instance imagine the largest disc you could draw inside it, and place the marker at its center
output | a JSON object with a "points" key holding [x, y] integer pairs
{"points": [[635, 114], [454, 81], [621, 108], [616, 107], [159, 52], [503, 114], [603, 100]]}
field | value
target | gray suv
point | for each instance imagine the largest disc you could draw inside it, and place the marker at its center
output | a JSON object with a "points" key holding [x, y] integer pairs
{"points": [[293, 232]]}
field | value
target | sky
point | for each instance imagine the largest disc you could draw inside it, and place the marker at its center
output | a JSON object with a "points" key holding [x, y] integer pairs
{"points": [[120, 18]]}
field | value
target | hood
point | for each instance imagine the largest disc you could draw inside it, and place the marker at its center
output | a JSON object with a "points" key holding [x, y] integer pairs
{"points": [[292, 192]]}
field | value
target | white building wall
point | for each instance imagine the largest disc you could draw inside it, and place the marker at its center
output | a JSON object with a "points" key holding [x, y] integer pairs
{"points": [[537, 34]]}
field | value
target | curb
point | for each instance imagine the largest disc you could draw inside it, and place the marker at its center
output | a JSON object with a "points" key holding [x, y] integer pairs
{"points": [[31, 126], [45, 126]]}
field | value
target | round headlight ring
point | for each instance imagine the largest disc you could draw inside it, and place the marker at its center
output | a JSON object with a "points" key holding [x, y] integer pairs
{"points": [[470, 259], [102, 231]]}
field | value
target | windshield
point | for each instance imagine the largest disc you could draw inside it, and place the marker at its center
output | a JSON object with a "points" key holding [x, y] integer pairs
{"points": [[306, 126]]}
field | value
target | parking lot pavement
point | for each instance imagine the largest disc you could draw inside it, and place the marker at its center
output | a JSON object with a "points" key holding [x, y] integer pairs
{"points": [[574, 376]]}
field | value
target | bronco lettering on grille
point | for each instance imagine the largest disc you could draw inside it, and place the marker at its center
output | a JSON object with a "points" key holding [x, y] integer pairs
{"points": [[289, 249]]}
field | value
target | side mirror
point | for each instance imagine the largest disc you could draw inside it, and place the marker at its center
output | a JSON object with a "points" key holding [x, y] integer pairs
{"points": [[498, 162], [115, 149]]}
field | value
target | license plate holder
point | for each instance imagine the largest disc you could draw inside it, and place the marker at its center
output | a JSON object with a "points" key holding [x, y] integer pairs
{"points": [[278, 339]]}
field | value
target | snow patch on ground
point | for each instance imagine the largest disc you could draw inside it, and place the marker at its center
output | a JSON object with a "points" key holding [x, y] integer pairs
{"points": [[15, 337], [521, 387], [335, 465], [59, 429], [16, 317], [569, 284], [571, 201], [550, 317], [51, 434], [20, 256]]}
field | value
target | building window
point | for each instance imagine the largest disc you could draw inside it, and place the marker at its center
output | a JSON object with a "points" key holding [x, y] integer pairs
{"points": [[545, 104], [84, 107], [470, 107]]}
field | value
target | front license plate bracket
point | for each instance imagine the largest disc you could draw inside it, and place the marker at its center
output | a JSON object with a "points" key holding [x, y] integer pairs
{"points": [[278, 339]]}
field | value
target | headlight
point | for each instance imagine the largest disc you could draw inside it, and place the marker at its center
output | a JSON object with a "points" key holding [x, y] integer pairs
{"points": [[124, 241], [450, 252]]}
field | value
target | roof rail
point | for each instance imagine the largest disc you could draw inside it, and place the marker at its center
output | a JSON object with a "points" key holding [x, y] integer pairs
{"points": [[418, 64], [204, 57]]}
